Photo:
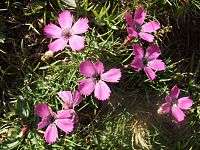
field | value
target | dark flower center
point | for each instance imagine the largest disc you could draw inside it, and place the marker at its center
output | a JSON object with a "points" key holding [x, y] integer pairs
{"points": [[51, 119], [66, 34], [145, 62], [138, 27], [97, 77]]}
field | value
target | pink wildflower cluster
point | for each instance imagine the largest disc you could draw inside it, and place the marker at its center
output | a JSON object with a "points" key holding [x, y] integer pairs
{"points": [[97, 78], [63, 119], [66, 118], [149, 62]]}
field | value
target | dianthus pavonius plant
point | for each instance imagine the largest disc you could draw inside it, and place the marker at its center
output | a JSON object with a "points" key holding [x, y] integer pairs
{"points": [[96, 77]]}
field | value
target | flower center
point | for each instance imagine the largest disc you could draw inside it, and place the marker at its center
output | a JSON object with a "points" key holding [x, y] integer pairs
{"points": [[97, 77], [51, 119], [174, 102], [138, 27], [66, 34], [145, 62]]}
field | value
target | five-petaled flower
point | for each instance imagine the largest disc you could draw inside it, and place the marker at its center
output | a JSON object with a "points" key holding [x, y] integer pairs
{"points": [[62, 119], [137, 28], [148, 61], [66, 32], [96, 79], [176, 105]]}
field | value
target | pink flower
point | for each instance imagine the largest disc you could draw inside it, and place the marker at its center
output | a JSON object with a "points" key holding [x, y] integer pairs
{"points": [[96, 79], [70, 101], [66, 32], [137, 28], [176, 105], [61, 120], [149, 61]]}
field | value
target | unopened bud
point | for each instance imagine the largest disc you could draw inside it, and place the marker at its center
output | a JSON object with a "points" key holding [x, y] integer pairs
{"points": [[128, 40], [24, 130]]}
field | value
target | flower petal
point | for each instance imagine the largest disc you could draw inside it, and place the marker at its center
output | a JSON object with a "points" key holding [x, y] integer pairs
{"points": [[166, 108], [132, 32], [87, 69], [99, 67], [65, 114], [178, 114], [52, 31], [86, 86], [150, 73], [140, 15], [76, 42], [65, 19], [42, 110], [129, 19], [151, 26], [175, 91], [146, 36], [81, 26], [51, 133], [137, 63], [112, 75], [168, 99], [152, 52], [184, 103], [77, 98], [43, 123], [57, 45], [68, 114], [66, 96], [102, 91], [138, 50], [157, 64], [65, 125]]}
